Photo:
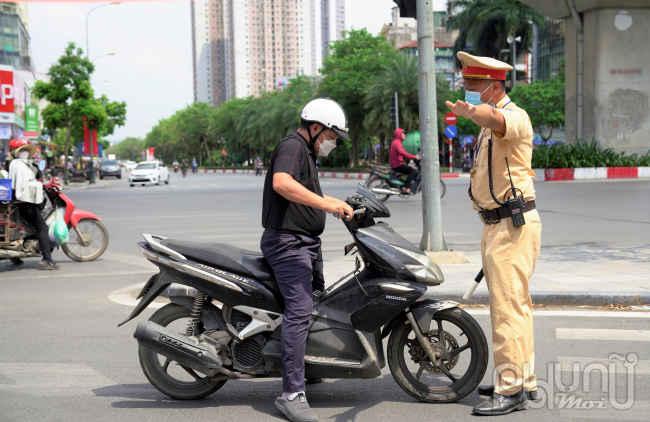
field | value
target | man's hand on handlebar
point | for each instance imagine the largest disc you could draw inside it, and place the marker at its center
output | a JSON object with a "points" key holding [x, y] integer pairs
{"points": [[339, 208]]}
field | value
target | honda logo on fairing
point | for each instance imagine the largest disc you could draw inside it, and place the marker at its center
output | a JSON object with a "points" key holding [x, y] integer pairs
{"points": [[395, 298]]}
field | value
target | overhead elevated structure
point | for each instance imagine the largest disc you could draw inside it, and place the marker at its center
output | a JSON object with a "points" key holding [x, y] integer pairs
{"points": [[607, 91]]}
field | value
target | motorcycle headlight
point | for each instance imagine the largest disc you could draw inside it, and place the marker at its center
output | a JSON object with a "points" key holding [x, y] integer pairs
{"points": [[428, 272]]}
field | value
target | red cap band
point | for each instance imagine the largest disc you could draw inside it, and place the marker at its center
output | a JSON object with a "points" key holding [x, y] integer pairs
{"points": [[484, 73]]}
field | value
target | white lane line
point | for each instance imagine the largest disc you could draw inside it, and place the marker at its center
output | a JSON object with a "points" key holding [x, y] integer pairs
{"points": [[567, 313], [125, 297], [600, 334], [642, 367], [39, 277], [194, 186], [214, 186]]}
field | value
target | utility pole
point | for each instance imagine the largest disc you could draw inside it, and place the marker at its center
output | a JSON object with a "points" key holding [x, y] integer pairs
{"points": [[396, 112], [432, 238]]}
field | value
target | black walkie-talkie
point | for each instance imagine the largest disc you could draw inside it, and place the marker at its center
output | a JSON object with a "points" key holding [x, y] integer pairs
{"points": [[515, 204]]}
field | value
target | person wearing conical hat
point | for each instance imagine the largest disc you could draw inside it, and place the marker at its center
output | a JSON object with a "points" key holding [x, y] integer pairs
{"points": [[509, 250]]}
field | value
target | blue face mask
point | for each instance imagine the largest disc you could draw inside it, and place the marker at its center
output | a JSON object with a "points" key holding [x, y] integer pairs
{"points": [[474, 97]]}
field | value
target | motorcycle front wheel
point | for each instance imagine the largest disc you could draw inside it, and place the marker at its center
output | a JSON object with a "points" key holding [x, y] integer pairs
{"points": [[378, 182], [170, 378], [463, 364], [93, 243]]}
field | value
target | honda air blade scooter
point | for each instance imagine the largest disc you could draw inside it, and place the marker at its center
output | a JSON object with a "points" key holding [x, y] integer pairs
{"points": [[225, 317]]}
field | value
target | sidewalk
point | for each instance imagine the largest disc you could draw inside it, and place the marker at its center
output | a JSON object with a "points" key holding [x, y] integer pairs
{"points": [[563, 277]]}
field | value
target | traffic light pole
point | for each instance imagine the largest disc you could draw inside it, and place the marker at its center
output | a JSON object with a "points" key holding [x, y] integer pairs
{"points": [[432, 238]]}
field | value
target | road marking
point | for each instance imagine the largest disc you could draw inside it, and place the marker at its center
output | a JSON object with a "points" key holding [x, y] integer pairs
{"points": [[125, 296], [600, 334], [214, 186], [123, 258], [567, 313], [31, 276], [194, 186], [52, 379], [642, 367]]}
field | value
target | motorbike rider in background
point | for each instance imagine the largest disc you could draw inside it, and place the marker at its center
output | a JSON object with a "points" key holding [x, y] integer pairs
{"points": [[28, 194], [184, 167], [194, 165], [258, 166], [175, 166], [396, 159]]}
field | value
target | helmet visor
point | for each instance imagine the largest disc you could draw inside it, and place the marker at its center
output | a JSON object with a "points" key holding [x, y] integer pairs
{"points": [[341, 133]]}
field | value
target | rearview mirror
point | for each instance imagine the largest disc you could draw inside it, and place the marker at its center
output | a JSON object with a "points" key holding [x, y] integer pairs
{"points": [[41, 165]]}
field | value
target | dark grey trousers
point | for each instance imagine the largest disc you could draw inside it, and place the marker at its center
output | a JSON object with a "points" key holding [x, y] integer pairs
{"points": [[297, 263]]}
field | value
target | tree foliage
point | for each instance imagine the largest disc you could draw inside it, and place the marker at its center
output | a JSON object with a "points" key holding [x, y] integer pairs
{"points": [[70, 98], [129, 149], [544, 103], [487, 24], [349, 70]]}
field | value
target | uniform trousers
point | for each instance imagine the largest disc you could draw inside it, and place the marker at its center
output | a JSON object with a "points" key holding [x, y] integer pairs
{"points": [[297, 263], [509, 256]]}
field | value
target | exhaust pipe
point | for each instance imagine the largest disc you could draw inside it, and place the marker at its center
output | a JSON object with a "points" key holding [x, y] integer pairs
{"points": [[385, 191], [199, 353]]}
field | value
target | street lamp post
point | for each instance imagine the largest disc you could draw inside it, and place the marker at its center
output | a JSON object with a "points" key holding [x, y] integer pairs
{"points": [[91, 176], [513, 49], [88, 15]]}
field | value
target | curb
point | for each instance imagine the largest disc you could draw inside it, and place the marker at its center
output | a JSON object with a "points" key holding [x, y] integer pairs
{"points": [[326, 174], [591, 173], [572, 299]]}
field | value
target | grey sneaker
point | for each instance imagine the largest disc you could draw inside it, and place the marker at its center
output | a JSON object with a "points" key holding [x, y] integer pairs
{"points": [[297, 410], [49, 265]]}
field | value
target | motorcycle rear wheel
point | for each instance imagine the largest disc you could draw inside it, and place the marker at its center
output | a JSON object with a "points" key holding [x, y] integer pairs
{"points": [[378, 182], [408, 362], [158, 373], [98, 236]]}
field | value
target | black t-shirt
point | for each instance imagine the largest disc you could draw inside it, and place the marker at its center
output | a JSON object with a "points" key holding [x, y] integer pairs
{"points": [[293, 156]]}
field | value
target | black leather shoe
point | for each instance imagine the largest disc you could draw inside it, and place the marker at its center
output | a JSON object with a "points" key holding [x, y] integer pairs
{"points": [[499, 404], [489, 390]]}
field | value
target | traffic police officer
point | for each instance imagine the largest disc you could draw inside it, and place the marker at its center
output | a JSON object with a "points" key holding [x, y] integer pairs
{"points": [[293, 216], [509, 252]]}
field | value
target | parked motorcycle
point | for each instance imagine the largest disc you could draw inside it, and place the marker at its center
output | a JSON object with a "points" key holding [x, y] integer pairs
{"points": [[224, 321], [88, 238], [384, 182]]}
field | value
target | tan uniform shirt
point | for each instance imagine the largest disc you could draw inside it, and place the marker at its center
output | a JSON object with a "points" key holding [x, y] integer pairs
{"points": [[517, 145]]}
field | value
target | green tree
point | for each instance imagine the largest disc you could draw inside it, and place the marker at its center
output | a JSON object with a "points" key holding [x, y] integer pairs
{"points": [[544, 103], [487, 24], [348, 71], [69, 94], [71, 98], [129, 149]]}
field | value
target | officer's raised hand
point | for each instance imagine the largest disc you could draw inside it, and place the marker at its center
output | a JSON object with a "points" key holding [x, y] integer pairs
{"points": [[462, 109]]}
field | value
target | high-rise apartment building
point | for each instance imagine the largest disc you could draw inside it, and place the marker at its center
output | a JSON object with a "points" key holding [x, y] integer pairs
{"points": [[14, 51], [246, 47]]}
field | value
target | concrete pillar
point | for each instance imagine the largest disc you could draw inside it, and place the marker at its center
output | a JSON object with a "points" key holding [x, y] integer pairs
{"points": [[616, 79]]}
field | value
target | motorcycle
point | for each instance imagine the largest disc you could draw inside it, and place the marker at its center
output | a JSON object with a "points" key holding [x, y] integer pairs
{"points": [[384, 182], [175, 167], [184, 171], [88, 238], [224, 321]]}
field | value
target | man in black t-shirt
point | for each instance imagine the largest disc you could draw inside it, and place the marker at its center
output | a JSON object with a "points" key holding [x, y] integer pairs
{"points": [[293, 217]]}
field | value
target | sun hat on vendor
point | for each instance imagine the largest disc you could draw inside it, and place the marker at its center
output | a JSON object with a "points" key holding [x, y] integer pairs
{"points": [[486, 68]]}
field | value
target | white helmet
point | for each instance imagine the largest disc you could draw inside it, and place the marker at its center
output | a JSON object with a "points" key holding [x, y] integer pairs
{"points": [[328, 113]]}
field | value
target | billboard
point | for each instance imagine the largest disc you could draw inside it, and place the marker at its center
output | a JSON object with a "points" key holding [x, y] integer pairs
{"points": [[13, 97], [31, 121]]}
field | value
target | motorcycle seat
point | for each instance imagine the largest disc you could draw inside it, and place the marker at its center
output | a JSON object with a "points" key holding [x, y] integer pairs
{"points": [[226, 257]]}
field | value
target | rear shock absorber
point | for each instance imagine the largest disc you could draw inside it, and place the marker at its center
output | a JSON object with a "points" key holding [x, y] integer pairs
{"points": [[193, 324]]}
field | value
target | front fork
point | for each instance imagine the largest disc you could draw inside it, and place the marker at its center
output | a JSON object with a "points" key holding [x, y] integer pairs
{"points": [[434, 356]]}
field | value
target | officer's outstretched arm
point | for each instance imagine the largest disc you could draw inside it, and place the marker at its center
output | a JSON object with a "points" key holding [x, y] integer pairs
{"points": [[483, 115]]}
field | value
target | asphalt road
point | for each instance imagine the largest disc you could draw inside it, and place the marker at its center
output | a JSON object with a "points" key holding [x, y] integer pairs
{"points": [[62, 356]]}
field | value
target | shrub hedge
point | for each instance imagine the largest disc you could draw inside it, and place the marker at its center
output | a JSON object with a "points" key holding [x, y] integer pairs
{"points": [[583, 154]]}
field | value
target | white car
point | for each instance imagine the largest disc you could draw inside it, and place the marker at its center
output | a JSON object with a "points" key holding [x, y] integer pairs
{"points": [[130, 165], [149, 172]]}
